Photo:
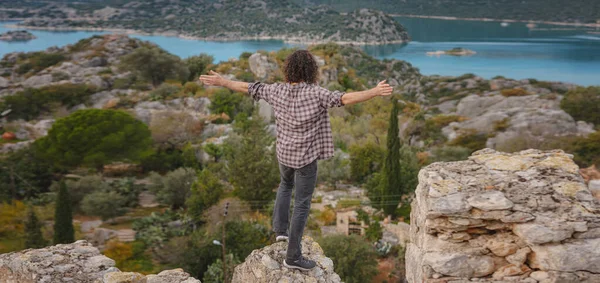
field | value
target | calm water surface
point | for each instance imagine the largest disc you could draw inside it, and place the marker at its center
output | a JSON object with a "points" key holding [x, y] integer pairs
{"points": [[515, 51]]}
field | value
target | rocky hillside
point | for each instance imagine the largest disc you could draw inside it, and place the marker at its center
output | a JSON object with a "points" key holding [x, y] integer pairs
{"points": [[216, 20], [497, 217], [440, 112], [586, 11], [77, 262]]}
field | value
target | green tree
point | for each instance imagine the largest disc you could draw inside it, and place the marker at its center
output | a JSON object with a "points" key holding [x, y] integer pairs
{"points": [[84, 186], [29, 173], [583, 104], [214, 150], [174, 188], [33, 231], [95, 137], [335, 169], [206, 192], [107, 205], [155, 65], [386, 195], [399, 175], [198, 65], [251, 162], [214, 273], [64, 233], [365, 160], [224, 101], [354, 260]]}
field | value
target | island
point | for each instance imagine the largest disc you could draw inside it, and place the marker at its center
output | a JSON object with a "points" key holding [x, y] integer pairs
{"points": [[453, 52], [17, 35], [225, 20]]}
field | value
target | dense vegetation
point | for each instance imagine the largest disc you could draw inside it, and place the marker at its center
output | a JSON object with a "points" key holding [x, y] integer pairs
{"points": [[586, 11], [246, 19]]}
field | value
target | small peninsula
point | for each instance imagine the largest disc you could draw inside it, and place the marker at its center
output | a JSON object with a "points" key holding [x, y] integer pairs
{"points": [[225, 20], [453, 52], [17, 35]]}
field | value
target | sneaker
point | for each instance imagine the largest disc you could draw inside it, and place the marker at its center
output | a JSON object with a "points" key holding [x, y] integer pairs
{"points": [[281, 237], [301, 264]]}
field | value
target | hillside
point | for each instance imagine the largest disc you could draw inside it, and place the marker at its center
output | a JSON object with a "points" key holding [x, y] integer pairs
{"points": [[152, 158], [576, 11], [214, 20]]}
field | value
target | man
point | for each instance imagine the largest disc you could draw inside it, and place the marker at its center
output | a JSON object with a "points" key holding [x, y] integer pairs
{"points": [[303, 137]]}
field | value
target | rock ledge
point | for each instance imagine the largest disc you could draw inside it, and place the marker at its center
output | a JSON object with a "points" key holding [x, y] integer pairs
{"points": [[265, 266]]}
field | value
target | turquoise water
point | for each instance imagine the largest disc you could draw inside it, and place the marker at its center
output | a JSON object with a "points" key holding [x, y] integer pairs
{"points": [[514, 51]]}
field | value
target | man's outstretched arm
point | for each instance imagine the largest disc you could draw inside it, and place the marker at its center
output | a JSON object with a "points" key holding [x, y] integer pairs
{"points": [[382, 89], [215, 79]]}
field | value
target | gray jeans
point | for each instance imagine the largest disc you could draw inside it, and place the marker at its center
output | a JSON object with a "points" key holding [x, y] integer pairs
{"points": [[305, 180]]}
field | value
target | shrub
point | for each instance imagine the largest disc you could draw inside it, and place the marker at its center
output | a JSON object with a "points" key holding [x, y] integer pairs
{"points": [[107, 205], [583, 104], [174, 188], [205, 192], [164, 91], [78, 189], [450, 153], [38, 61], [470, 139], [587, 150], [223, 101], [30, 103], [191, 88], [335, 169], [354, 260], [502, 125], [163, 160], [155, 65], [365, 160], [514, 92], [95, 137], [198, 65]]}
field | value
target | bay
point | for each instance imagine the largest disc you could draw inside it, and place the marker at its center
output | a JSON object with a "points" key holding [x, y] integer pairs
{"points": [[553, 53]]}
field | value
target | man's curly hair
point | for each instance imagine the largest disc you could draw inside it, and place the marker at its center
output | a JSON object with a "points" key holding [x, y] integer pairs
{"points": [[301, 66]]}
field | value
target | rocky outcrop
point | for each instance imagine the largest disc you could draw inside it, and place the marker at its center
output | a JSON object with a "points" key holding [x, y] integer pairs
{"points": [[497, 217], [266, 266], [260, 66], [77, 262]]}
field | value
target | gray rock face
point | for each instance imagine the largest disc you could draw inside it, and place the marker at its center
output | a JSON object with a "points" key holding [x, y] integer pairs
{"points": [[4, 82], [265, 266], [497, 217], [77, 262], [38, 81], [260, 66]]}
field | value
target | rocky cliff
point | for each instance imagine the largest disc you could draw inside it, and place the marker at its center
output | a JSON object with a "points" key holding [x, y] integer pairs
{"points": [[78, 262], [497, 217], [81, 262], [265, 266]]}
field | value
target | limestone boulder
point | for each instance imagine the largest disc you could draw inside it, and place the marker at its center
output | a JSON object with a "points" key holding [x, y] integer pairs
{"points": [[260, 66], [266, 265]]}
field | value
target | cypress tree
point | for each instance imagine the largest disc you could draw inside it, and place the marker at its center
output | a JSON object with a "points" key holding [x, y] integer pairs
{"points": [[33, 229], [392, 178], [63, 217]]}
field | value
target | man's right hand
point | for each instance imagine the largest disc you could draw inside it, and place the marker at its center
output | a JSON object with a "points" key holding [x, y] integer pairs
{"points": [[213, 79], [383, 89]]}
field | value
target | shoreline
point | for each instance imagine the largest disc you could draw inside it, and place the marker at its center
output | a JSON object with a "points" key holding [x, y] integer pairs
{"points": [[285, 39], [450, 18]]}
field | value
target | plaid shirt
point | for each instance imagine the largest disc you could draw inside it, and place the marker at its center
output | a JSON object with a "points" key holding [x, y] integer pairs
{"points": [[303, 127]]}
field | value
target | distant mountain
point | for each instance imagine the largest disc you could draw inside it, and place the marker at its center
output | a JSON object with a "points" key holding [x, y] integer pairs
{"points": [[584, 11], [213, 20]]}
